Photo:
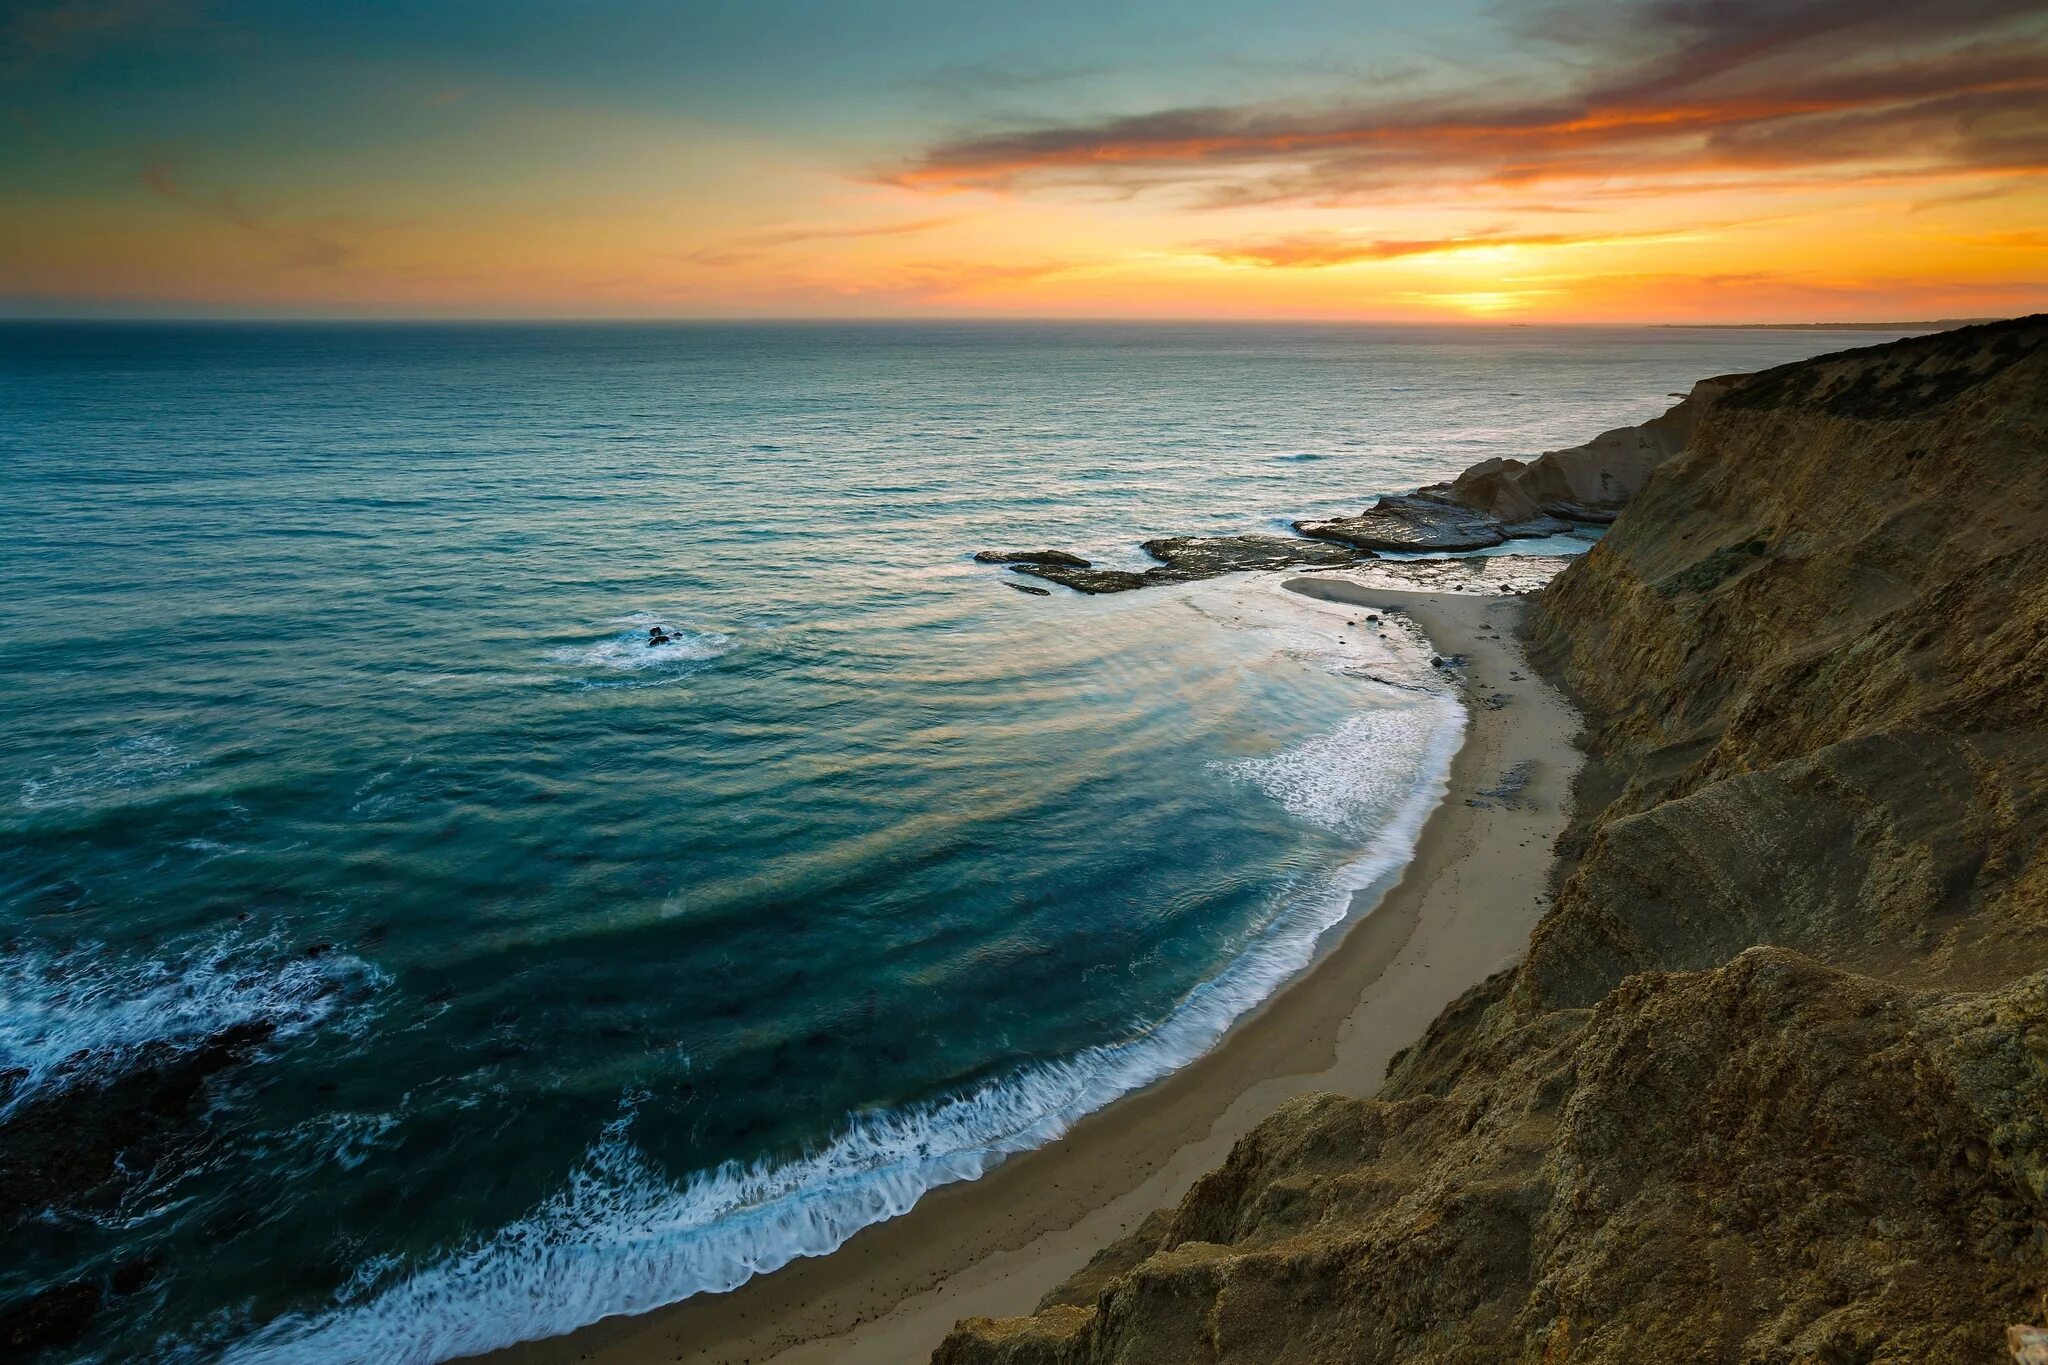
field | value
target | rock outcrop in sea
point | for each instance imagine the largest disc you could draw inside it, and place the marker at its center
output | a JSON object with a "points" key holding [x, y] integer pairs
{"points": [[1772, 1081], [1184, 559], [1489, 504], [71, 1148], [1414, 523]]}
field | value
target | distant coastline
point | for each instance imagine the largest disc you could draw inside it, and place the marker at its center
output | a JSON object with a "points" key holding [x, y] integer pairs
{"points": [[1938, 325]]}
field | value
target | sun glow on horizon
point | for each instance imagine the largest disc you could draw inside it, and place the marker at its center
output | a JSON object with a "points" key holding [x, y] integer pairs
{"points": [[1732, 166]]}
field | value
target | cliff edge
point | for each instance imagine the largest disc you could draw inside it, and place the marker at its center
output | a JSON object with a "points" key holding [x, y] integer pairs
{"points": [[1772, 1081], [1583, 483]]}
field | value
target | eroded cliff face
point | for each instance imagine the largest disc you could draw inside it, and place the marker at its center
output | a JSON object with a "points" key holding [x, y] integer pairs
{"points": [[1772, 1083], [1589, 482]]}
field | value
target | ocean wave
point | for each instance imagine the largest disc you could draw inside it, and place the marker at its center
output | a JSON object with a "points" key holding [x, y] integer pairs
{"points": [[1350, 779], [116, 771], [85, 1016], [346, 1140], [623, 1237]]}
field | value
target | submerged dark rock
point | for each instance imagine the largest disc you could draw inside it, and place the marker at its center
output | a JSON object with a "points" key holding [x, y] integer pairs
{"points": [[1027, 588], [57, 1316], [135, 1274], [1059, 558], [1410, 523], [102, 1121]]}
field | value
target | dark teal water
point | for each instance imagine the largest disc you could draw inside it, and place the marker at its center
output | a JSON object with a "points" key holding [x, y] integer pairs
{"points": [[603, 974]]}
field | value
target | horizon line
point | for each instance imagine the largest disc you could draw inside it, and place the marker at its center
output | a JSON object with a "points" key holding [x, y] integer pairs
{"points": [[772, 319]]}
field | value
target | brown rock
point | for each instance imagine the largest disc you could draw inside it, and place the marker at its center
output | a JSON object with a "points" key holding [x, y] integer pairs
{"points": [[1585, 483]]}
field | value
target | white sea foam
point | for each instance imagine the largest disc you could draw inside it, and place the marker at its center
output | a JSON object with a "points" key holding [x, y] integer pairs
{"points": [[629, 652], [115, 771], [622, 1237], [70, 1018], [1351, 779]]}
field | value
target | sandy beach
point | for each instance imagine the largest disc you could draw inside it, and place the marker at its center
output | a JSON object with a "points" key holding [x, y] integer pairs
{"points": [[1462, 910]]}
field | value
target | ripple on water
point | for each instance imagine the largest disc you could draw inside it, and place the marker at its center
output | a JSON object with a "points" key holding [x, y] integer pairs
{"points": [[118, 771]]}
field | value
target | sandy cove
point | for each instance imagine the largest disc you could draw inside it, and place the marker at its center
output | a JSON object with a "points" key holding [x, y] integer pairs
{"points": [[1462, 910]]}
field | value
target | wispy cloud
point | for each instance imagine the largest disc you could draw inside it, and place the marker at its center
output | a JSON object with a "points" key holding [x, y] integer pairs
{"points": [[2020, 239], [1677, 88], [1321, 250], [752, 245], [314, 243], [982, 79]]}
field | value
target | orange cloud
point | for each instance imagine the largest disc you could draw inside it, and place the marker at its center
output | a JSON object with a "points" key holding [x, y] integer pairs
{"points": [[1324, 250], [1758, 86]]}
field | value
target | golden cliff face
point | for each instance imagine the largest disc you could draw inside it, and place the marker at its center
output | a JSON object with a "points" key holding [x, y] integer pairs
{"points": [[1772, 1083]]}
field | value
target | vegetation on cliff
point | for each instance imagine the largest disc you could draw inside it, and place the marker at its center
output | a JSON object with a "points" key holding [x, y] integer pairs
{"points": [[1772, 1082]]}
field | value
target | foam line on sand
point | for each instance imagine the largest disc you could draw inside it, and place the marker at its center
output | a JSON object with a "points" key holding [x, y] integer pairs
{"points": [[1462, 910]]}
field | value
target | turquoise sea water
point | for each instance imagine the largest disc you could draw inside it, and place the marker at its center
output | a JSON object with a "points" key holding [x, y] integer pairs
{"points": [[599, 974]]}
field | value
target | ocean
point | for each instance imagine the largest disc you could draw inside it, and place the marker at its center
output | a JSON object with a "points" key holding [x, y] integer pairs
{"points": [[539, 973]]}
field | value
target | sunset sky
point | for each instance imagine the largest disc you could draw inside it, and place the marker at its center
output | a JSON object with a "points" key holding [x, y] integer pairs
{"points": [[1730, 160]]}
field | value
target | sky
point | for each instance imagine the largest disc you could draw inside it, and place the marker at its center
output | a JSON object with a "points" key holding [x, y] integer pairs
{"points": [[1557, 161]]}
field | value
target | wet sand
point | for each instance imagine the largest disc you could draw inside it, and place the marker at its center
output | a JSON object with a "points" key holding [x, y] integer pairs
{"points": [[1462, 910]]}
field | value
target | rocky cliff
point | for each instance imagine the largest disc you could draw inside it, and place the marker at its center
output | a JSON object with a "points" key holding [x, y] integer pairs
{"points": [[1772, 1081], [1589, 482]]}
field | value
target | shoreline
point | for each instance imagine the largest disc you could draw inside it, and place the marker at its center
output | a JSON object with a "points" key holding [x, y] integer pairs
{"points": [[1462, 909]]}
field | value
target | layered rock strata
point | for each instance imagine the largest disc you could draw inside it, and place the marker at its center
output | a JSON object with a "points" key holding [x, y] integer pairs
{"points": [[1583, 483]]}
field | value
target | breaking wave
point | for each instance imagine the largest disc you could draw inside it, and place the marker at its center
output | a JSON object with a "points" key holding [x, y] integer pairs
{"points": [[85, 1016], [1353, 778], [624, 1237]]}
